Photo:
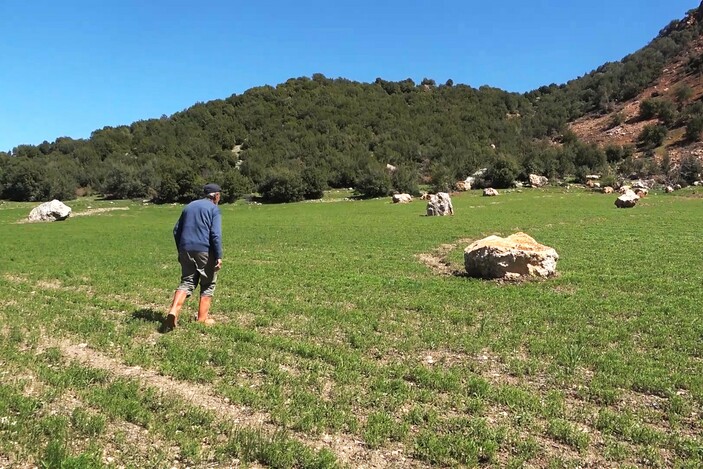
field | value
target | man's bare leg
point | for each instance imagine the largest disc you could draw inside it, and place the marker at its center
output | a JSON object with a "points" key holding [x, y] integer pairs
{"points": [[204, 309], [179, 297]]}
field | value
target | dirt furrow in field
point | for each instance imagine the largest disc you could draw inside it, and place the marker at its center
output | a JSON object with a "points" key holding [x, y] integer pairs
{"points": [[348, 449], [437, 259]]}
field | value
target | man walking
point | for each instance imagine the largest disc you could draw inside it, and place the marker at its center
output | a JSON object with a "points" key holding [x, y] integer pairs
{"points": [[198, 236]]}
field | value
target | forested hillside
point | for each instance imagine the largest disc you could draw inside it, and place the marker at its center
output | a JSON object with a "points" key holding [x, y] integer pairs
{"points": [[292, 141]]}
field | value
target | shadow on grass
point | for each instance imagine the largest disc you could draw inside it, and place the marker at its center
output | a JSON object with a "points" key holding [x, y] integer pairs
{"points": [[156, 317]]}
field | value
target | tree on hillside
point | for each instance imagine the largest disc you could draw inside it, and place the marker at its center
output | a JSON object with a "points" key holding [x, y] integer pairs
{"points": [[283, 184], [22, 180], [502, 172], [682, 94], [374, 181], [694, 129], [652, 136], [690, 169], [314, 181], [234, 186], [441, 177], [123, 182], [405, 180]]}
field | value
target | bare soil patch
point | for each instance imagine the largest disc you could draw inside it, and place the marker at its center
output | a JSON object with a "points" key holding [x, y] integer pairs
{"points": [[437, 260], [95, 211]]}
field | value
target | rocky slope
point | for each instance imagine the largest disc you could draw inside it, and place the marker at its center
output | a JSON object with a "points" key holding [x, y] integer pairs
{"points": [[601, 128]]}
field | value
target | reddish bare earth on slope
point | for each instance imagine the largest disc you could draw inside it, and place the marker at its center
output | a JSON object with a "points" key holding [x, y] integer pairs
{"points": [[598, 129]]}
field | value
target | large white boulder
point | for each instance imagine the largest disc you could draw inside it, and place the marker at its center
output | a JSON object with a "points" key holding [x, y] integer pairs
{"points": [[402, 198], [538, 181], [516, 256], [466, 185], [50, 211], [439, 204], [627, 200]]}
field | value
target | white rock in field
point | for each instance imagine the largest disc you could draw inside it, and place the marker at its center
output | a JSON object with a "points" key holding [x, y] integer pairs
{"points": [[466, 185], [50, 211], [627, 200], [669, 189], [439, 204], [538, 181], [490, 192], [402, 198], [624, 189], [641, 192], [518, 255], [461, 186], [607, 190]]}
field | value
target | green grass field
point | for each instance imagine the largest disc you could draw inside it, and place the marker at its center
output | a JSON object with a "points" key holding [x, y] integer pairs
{"points": [[336, 346]]}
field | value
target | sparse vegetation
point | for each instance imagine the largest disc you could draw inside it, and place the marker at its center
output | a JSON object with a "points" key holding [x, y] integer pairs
{"points": [[694, 129], [652, 136]]}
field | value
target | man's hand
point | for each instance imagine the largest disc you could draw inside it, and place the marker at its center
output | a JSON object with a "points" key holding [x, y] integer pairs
{"points": [[218, 266]]}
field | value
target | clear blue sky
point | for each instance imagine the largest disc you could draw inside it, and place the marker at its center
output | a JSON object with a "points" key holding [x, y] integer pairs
{"points": [[68, 67]]}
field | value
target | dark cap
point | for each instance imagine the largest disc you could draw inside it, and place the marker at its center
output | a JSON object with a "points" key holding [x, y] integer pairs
{"points": [[211, 188]]}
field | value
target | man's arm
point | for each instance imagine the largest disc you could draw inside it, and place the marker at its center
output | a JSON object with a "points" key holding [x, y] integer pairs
{"points": [[216, 236], [177, 231]]}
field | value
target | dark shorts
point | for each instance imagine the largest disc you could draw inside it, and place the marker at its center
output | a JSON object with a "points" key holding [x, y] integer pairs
{"points": [[197, 267]]}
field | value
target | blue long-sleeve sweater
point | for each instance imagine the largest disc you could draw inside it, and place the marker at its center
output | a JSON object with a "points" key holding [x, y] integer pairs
{"points": [[200, 228]]}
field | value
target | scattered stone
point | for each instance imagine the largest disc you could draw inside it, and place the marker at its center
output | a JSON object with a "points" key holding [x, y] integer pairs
{"points": [[625, 189], [50, 211], [627, 200], [439, 204], [462, 185], [538, 181], [607, 190], [480, 173], [471, 182], [490, 192], [640, 184], [668, 189], [402, 198], [518, 255], [642, 192]]}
